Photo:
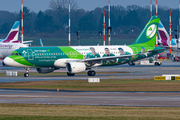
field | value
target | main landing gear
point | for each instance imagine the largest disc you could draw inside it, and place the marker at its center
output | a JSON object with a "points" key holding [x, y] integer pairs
{"points": [[91, 73], [70, 74], [27, 70], [131, 63]]}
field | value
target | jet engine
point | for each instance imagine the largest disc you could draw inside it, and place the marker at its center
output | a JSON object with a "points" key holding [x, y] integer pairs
{"points": [[75, 67], [46, 70]]}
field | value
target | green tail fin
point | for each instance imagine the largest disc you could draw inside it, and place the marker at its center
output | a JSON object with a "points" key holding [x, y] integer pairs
{"points": [[148, 35]]}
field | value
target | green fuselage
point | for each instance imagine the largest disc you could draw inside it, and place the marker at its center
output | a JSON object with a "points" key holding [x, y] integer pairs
{"points": [[47, 56]]}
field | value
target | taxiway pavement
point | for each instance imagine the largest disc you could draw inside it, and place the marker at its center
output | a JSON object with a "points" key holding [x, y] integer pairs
{"points": [[158, 99], [127, 72], [150, 99]]}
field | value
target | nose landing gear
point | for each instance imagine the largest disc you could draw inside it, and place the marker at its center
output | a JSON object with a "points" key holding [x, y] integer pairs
{"points": [[26, 74]]}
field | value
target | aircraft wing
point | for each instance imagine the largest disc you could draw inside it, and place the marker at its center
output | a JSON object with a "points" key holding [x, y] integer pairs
{"points": [[105, 58]]}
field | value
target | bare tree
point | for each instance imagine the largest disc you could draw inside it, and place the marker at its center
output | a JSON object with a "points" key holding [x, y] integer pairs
{"points": [[62, 4]]}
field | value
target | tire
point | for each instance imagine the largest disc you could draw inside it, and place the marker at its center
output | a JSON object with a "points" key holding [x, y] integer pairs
{"points": [[3, 64], [131, 63], [91, 73], [157, 64], [26, 74], [70, 74]]}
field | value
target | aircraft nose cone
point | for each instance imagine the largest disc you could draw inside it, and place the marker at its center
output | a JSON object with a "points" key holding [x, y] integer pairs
{"points": [[8, 61]]}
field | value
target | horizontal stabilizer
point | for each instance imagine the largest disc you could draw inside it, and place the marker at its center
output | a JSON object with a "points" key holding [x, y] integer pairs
{"points": [[158, 50]]}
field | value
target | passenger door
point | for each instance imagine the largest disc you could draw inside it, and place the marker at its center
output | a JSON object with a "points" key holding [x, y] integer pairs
{"points": [[30, 54]]}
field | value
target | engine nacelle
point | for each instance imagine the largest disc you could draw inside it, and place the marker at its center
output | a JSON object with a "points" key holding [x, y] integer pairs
{"points": [[75, 67], [46, 70]]}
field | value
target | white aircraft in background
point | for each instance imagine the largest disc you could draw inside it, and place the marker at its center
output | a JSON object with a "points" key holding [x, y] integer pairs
{"points": [[11, 42], [12, 36], [7, 48], [164, 38]]}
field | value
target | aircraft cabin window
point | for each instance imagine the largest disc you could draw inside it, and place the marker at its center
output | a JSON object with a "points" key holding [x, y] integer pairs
{"points": [[20, 54]]}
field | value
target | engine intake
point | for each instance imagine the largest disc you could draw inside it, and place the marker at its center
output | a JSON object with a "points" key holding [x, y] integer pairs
{"points": [[75, 67]]}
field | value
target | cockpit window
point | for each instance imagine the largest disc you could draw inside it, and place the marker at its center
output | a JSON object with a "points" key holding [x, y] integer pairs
{"points": [[17, 54]]}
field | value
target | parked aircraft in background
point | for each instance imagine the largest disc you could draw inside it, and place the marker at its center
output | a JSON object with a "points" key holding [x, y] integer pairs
{"points": [[164, 38], [13, 34], [7, 48], [11, 42], [81, 58]]}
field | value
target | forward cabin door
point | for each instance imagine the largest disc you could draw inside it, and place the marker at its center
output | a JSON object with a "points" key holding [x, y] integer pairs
{"points": [[30, 54]]}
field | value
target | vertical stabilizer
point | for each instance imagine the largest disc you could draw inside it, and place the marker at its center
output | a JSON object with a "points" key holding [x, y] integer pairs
{"points": [[13, 34], [148, 35], [164, 38]]}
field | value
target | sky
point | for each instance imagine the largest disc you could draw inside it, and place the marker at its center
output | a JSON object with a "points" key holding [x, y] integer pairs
{"points": [[37, 5]]}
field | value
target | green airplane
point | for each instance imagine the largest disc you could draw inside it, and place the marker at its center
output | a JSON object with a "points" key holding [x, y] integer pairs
{"points": [[81, 58]]}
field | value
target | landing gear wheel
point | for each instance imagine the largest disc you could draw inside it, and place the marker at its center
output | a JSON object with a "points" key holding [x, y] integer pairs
{"points": [[70, 74], [26, 74], [27, 70], [131, 63], [157, 64], [91, 73], [3, 64]]}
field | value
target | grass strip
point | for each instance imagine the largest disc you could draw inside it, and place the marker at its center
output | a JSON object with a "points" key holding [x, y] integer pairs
{"points": [[81, 112], [104, 85]]}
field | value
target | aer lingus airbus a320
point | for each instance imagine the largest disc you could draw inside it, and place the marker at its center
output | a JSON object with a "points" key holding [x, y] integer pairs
{"points": [[81, 58]]}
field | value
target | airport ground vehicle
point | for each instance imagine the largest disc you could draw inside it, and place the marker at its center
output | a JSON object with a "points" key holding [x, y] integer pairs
{"points": [[150, 61]]}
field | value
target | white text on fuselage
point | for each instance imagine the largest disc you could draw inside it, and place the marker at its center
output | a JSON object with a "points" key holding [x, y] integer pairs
{"points": [[40, 50]]}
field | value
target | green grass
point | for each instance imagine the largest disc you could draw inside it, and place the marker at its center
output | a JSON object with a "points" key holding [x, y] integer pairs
{"points": [[104, 85], [81, 112]]}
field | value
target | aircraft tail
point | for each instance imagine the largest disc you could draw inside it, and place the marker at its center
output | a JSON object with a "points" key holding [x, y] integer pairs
{"points": [[164, 38], [13, 34], [148, 36]]}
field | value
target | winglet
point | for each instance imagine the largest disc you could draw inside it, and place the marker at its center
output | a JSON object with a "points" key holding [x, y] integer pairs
{"points": [[41, 43]]}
